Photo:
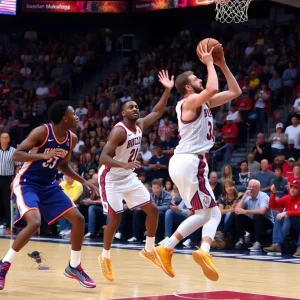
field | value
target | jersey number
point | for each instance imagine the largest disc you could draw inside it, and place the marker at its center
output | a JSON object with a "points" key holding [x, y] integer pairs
{"points": [[133, 155], [50, 163], [210, 135]]}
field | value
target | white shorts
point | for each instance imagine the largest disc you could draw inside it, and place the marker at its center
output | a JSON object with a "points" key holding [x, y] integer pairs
{"points": [[130, 189], [189, 173]]}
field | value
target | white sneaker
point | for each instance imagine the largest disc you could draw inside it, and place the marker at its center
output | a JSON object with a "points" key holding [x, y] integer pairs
{"points": [[256, 247], [118, 235], [188, 243], [88, 235], [67, 234], [62, 232], [132, 240], [163, 241]]}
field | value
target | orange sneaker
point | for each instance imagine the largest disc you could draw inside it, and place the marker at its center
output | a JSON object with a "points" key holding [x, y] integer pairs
{"points": [[205, 261], [106, 269], [164, 256], [151, 256]]}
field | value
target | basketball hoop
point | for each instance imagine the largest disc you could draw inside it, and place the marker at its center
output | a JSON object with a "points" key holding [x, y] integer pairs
{"points": [[232, 10]]}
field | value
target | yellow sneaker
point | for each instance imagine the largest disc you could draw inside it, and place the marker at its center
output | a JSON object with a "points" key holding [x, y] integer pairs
{"points": [[106, 269], [205, 261], [151, 256], [164, 256]]}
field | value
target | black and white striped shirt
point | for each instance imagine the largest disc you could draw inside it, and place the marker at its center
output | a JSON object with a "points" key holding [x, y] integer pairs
{"points": [[7, 166]]}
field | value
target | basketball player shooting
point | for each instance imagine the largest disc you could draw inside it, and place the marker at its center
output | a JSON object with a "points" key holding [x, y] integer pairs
{"points": [[48, 149], [188, 167], [118, 181]]}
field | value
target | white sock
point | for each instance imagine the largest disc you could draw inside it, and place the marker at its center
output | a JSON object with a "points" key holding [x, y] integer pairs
{"points": [[205, 247], [75, 258], [149, 243], [172, 242], [9, 255], [105, 254]]}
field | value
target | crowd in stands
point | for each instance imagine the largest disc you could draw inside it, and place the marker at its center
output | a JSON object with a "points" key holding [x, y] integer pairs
{"points": [[265, 62]]}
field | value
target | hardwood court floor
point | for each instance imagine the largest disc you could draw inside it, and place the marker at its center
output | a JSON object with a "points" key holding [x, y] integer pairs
{"points": [[135, 277]]}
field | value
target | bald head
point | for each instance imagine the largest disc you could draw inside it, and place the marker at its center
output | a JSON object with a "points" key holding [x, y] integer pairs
{"points": [[213, 177]]}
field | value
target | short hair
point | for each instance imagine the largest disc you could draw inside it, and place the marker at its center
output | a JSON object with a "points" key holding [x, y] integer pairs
{"points": [[57, 110], [182, 80], [243, 162], [277, 167], [125, 102], [255, 181], [157, 182]]}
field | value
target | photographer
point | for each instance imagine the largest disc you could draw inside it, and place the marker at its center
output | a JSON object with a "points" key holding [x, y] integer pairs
{"points": [[253, 214]]}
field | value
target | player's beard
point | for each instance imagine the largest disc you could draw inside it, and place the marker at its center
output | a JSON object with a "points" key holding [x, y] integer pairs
{"points": [[198, 89]]}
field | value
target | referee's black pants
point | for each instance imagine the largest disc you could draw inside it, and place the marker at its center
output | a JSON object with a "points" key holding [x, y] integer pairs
{"points": [[5, 191]]}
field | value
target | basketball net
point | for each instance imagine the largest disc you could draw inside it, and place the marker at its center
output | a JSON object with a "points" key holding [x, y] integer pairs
{"points": [[232, 10]]}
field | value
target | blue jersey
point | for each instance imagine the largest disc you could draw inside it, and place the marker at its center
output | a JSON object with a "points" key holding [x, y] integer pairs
{"points": [[44, 171]]}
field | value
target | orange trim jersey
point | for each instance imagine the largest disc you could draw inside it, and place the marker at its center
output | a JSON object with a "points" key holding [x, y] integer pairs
{"points": [[195, 136], [44, 171]]}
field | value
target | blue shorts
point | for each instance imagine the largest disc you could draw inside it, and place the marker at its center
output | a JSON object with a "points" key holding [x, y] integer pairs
{"points": [[50, 199]]}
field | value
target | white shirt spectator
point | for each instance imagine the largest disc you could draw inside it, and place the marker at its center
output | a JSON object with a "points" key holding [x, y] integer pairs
{"points": [[41, 91], [147, 155], [25, 71], [76, 148], [297, 104], [294, 134], [81, 111]]}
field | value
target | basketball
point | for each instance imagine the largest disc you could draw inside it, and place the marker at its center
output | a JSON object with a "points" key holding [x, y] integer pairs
{"points": [[210, 42]]}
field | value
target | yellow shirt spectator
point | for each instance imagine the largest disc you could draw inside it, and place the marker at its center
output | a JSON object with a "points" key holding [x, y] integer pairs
{"points": [[72, 188]]}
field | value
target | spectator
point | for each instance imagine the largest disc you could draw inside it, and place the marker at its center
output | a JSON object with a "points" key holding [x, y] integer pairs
{"points": [[215, 184], [264, 177], [227, 204], [244, 176], [254, 215], [253, 165], [289, 78], [158, 164], [163, 200], [289, 218], [73, 189], [230, 134], [278, 140], [95, 210], [291, 152], [280, 183], [293, 132], [227, 173], [261, 149]]}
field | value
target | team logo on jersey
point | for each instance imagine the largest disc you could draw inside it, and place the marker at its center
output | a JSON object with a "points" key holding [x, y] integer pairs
{"points": [[206, 201]]}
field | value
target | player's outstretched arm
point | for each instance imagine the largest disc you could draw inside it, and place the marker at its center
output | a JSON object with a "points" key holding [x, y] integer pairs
{"points": [[233, 91], [212, 85], [66, 169], [161, 105], [35, 139], [116, 138]]}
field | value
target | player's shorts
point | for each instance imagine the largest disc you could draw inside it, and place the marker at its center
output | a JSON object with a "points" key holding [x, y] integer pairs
{"points": [[190, 174], [50, 200], [130, 189]]}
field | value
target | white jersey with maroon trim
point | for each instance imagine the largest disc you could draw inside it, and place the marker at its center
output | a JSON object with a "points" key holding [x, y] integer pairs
{"points": [[196, 136], [127, 152]]}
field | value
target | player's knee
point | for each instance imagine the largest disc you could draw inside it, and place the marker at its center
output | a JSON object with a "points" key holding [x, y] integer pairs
{"points": [[34, 224], [78, 219], [152, 210]]}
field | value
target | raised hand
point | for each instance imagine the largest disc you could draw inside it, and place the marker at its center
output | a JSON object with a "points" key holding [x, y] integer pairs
{"points": [[204, 55], [164, 79]]}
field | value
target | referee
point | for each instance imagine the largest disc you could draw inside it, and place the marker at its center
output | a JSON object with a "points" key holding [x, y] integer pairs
{"points": [[7, 171]]}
